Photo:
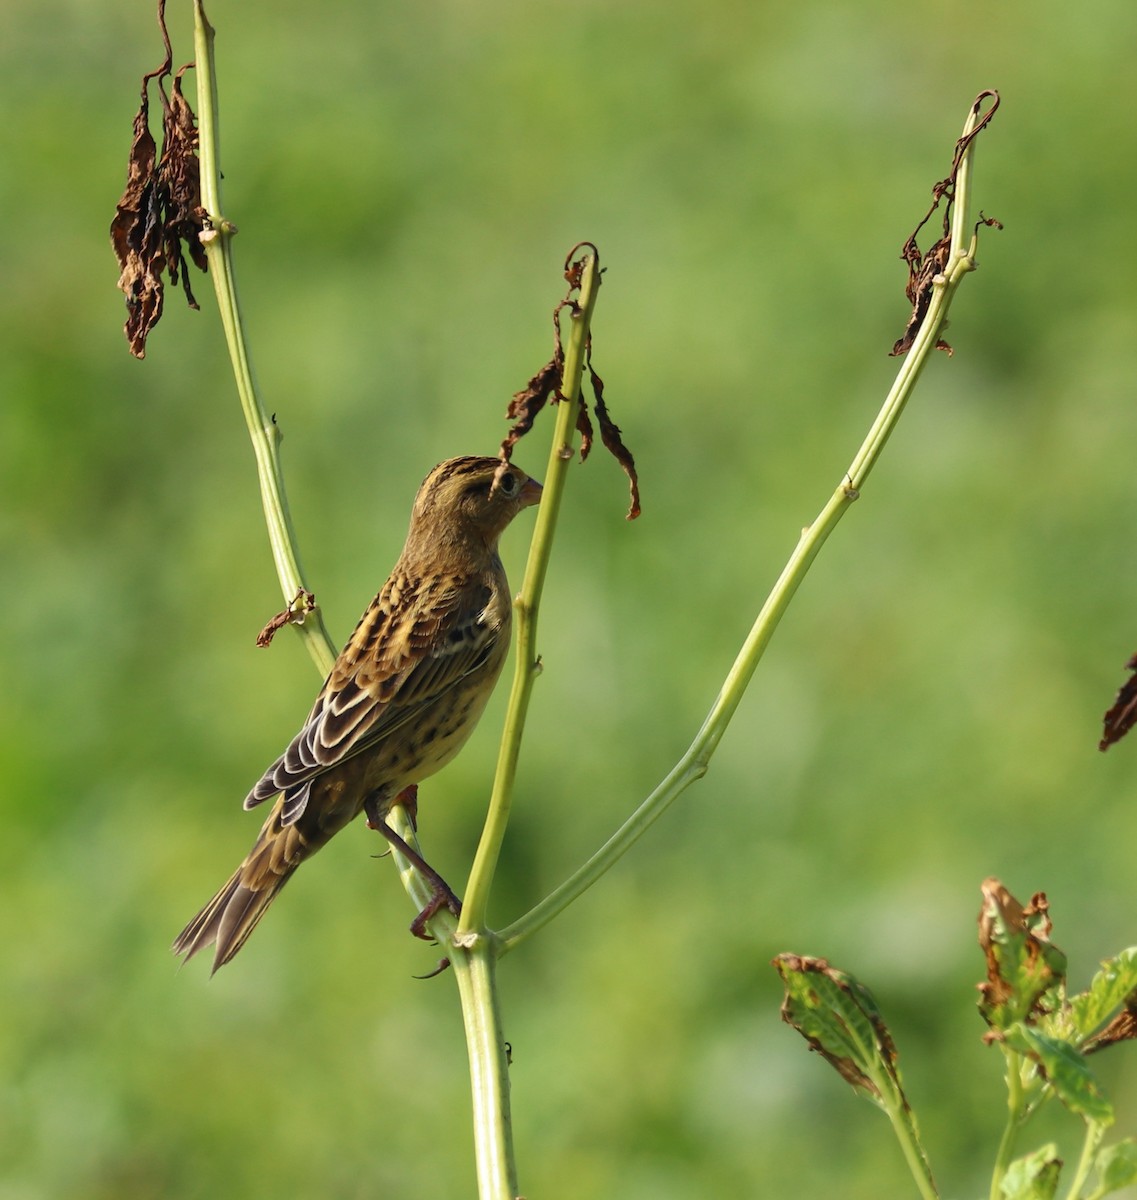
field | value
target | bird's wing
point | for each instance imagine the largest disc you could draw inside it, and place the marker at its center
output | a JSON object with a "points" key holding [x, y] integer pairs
{"points": [[417, 640]]}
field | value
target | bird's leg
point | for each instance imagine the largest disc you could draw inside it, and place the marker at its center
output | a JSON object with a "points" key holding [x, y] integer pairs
{"points": [[441, 894], [407, 799]]}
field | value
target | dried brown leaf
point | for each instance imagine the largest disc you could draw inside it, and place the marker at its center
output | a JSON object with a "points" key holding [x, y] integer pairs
{"points": [[613, 440], [1118, 721], [1123, 1028], [923, 268], [160, 208], [584, 428], [137, 236], [528, 402], [1022, 962], [294, 614]]}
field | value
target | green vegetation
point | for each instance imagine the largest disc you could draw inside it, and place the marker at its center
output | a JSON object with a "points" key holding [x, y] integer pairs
{"points": [[406, 183]]}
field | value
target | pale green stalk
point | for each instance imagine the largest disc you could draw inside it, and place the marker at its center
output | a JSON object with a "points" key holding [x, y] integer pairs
{"points": [[1095, 1131], [693, 765], [527, 664], [903, 1125], [1016, 1114], [473, 949], [263, 431]]}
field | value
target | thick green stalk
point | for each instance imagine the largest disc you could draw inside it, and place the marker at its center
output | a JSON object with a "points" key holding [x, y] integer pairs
{"points": [[475, 969], [1016, 1100], [693, 764], [527, 664], [263, 431]]}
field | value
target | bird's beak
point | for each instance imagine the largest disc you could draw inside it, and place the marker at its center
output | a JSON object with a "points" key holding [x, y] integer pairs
{"points": [[530, 493]]}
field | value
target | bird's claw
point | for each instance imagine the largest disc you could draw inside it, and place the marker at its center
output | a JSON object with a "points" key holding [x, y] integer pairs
{"points": [[443, 963], [441, 898]]}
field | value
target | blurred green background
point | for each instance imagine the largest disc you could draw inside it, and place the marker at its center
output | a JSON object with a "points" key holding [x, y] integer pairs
{"points": [[407, 179]]}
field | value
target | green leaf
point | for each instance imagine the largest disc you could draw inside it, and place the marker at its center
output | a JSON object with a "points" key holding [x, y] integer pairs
{"points": [[1110, 988], [1065, 1069], [839, 1018], [1034, 1176], [1023, 965], [1117, 1166]]}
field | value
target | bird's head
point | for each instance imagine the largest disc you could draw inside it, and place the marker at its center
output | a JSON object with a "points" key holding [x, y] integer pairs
{"points": [[470, 500]]}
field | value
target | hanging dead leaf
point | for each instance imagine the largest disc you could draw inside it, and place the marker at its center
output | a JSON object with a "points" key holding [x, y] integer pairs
{"points": [[924, 268], [545, 387], [303, 603], [613, 439], [1121, 717], [160, 209], [1123, 1028]]}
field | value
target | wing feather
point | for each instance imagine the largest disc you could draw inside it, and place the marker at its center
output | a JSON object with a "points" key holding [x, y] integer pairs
{"points": [[417, 641]]}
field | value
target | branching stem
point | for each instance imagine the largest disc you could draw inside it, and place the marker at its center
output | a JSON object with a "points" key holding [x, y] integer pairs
{"points": [[263, 430]]}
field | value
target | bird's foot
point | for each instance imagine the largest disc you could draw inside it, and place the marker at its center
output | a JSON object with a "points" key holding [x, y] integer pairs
{"points": [[441, 894], [441, 898]]}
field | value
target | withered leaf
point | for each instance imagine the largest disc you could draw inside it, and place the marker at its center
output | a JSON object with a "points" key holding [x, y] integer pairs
{"points": [[838, 1017], [533, 397], [923, 268], [613, 439], [303, 603], [1023, 965], [137, 236], [584, 428], [180, 174], [1121, 717], [1123, 1028], [545, 387], [160, 208]]}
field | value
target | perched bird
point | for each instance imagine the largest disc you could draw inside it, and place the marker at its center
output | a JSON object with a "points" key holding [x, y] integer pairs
{"points": [[401, 699]]}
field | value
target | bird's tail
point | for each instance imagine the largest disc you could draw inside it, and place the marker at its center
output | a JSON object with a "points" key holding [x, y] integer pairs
{"points": [[228, 919]]}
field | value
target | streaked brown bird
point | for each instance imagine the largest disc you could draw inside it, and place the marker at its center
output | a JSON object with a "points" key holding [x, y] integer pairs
{"points": [[401, 699]]}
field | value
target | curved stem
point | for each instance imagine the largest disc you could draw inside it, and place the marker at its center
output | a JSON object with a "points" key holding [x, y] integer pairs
{"points": [[263, 431], [1095, 1131], [693, 764]]}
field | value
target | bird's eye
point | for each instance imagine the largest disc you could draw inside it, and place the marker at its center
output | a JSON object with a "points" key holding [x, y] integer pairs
{"points": [[507, 485]]}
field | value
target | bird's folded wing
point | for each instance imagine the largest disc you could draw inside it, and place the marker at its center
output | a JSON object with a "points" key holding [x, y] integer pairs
{"points": [[416, 642]]}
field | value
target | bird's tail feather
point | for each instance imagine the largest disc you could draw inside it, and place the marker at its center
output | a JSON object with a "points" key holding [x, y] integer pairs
{"points": [[228, 919]]}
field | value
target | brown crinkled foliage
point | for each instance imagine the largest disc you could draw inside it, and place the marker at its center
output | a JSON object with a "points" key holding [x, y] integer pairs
{"points": [[545, 386], [1022, 962], [303, 603], [1121, 717], [1123, 1028], [160, 208], [923, 268]]}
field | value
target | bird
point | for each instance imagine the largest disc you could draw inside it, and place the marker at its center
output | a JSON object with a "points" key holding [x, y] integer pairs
{"points": [[401, 700]]}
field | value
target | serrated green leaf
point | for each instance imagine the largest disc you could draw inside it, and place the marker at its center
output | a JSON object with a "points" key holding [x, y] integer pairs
{"points": [[1108, 990], [1034, 1176], [1117, 1165], [1065, 1069], [1023, 965], [839, 1018]]}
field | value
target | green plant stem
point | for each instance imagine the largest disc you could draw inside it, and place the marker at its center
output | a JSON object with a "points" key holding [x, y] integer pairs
{"points": [[527, 663], [475, 969], [473, 949], [1095, 1131], [694, 763], [900, 1116], [1016, 1098], [263, 431]]}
